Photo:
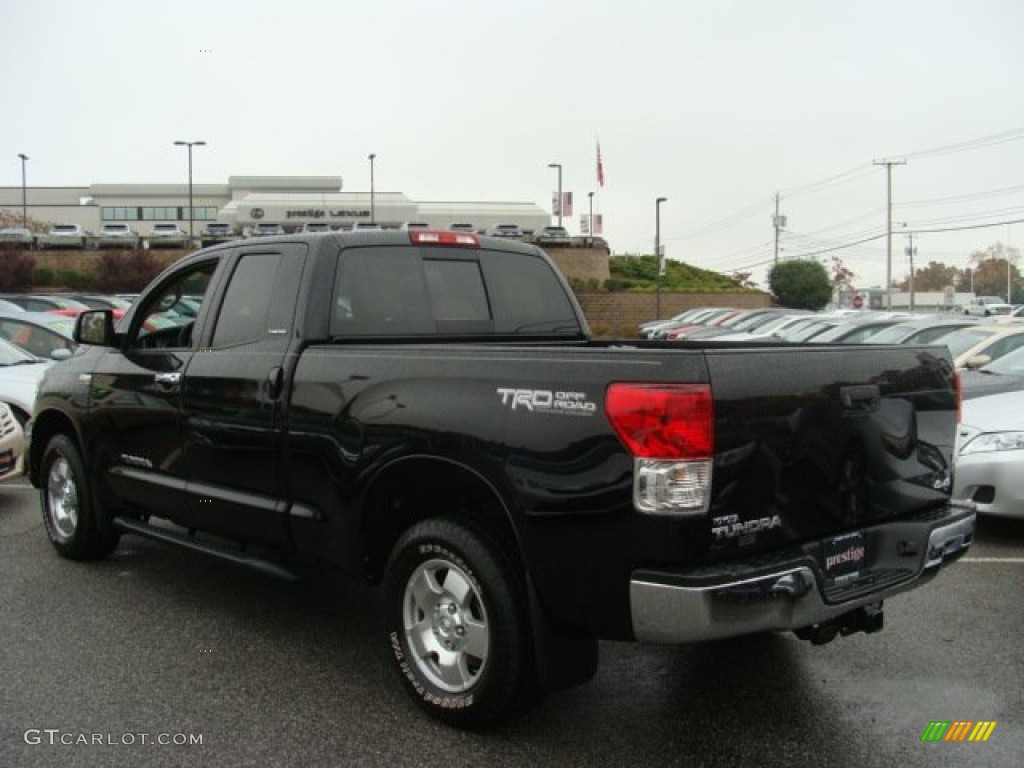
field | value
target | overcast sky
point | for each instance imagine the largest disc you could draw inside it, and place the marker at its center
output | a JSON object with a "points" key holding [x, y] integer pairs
{"points": [[713, 104]]}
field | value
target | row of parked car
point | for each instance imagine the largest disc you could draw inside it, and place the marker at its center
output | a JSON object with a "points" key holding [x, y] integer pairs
{"points": [[987, 351], [122, 235], [36, 332]]}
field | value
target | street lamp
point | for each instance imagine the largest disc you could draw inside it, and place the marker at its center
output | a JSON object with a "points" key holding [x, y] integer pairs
{"points": [[559, 167], [24, 204], [373, 210], [657, 252], [191, 209], [590, 219]]}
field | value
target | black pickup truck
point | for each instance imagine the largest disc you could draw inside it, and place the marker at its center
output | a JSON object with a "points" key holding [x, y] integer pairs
{"points": [[425, 411]]}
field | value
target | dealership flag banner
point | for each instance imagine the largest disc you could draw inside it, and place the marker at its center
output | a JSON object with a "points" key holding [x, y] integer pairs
{"points": [[600, 167], [567, 204]]}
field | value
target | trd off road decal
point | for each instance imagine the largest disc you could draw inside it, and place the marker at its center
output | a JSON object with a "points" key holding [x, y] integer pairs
{"points": [[547, 401]]}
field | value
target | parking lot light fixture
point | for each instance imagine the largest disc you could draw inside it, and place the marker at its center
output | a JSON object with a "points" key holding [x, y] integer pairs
{"points": [[657, 253], [373, 208], [191, 209], [24, 199], [590, 219]]}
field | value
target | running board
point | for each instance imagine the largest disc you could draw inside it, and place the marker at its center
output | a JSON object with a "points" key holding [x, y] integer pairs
{"points": [[130, 525]]}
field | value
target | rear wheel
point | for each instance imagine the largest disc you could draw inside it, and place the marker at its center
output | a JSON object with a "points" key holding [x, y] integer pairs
{"points": [[458, 627], [76, 523]]}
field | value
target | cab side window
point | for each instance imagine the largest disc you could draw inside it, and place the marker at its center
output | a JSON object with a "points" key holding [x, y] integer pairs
{"points": [[167, 319], [249, 312]]}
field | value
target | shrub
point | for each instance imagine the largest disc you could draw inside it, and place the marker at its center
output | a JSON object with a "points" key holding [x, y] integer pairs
{"points": [[73, 279], [16, 270], [125, 271], [44, 276]]}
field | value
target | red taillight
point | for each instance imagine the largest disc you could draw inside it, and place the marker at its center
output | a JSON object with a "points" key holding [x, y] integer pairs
{"points": [[659, 421], [443, 237]]}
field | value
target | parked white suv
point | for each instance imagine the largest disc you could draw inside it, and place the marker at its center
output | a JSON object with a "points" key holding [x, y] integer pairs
{"points": [[118, 236], [65, 236], [168, 236]]}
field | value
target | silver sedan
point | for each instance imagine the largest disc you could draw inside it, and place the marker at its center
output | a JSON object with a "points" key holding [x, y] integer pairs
{"points": [[990, 454]]}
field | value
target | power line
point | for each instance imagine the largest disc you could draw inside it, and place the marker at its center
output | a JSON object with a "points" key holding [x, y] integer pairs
{"points": [[971, 144]]}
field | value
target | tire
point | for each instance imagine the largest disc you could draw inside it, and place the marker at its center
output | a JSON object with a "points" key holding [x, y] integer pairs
{"points": [[76, 523], [458, 627]]}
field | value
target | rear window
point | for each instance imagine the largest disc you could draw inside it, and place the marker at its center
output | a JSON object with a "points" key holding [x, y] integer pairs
{"points": [[408, 291]]}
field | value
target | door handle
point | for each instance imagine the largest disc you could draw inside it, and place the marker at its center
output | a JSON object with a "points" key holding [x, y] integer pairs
{"points": [[167, 379]]}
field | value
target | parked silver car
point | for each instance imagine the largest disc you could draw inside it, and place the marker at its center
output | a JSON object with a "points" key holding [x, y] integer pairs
{"points": [[990, 454]]}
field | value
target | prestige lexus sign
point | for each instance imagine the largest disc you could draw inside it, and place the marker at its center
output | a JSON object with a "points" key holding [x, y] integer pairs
{"points": [[277, 214]]}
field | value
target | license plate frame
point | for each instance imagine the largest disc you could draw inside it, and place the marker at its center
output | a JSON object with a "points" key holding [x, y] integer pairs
{"points": [[844, 557]]}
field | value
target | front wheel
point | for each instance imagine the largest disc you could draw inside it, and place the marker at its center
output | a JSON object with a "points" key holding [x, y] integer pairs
{"points": [[458, 627], [77, 525]]}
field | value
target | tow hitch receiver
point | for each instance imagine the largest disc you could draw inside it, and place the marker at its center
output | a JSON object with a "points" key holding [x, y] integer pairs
{"points": [[867, 618]]}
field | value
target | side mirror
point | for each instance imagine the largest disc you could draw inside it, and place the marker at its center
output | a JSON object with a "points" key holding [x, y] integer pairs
{"points": [[60, 354], [977, 361], [95, 327]]}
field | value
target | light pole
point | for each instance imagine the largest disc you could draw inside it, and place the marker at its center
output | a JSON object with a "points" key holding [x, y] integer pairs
{"points": [[191, 209], [373, 209], [911, 252], [590, 220], [24, 203], [657, 252], [559, 167]]}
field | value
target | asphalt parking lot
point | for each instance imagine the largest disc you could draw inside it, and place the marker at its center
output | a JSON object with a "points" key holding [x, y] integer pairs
{"points": [[157, 657]]}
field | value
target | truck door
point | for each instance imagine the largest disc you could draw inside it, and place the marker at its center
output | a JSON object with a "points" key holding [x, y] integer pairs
{"points": [[233, 394], [136, 392]]}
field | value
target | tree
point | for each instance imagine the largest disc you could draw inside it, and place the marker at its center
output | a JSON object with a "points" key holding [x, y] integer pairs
{"points": [[990, 270], [800, 284], [934, 277]]}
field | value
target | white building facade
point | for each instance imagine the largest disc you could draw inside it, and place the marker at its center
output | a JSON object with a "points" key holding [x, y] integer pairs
{"points": [[244, 201]]}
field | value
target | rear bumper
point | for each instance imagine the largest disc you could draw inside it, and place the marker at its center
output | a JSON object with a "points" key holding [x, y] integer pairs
{"points": [[793, 592]]}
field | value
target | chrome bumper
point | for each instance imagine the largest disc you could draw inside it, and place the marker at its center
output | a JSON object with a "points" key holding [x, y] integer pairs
{"points": [[698, 606]]}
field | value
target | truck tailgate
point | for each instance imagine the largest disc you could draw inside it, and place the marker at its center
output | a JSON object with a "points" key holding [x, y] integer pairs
{"points": [[808, 446]]}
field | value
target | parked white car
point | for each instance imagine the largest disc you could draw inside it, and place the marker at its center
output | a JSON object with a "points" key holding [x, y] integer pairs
{"points": [[20, 374], [12, 445]]}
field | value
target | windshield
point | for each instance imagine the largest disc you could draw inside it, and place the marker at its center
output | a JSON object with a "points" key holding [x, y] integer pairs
{"points": [[1010, 364], [962, 340], [12, 355]]}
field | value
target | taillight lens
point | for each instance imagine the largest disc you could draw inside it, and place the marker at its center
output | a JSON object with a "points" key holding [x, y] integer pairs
{"points": [[669, 429], [663, 421]]}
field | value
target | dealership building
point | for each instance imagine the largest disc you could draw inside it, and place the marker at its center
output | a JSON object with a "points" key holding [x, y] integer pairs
{"points": [[244, 201]]}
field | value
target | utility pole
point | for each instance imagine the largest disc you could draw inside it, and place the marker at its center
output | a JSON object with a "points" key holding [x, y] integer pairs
{"points": [[888, 227], [778, 222]]}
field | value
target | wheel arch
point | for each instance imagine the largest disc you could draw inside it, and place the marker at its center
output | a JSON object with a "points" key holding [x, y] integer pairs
{"points": [[45, 425], [416, 488]]}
